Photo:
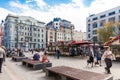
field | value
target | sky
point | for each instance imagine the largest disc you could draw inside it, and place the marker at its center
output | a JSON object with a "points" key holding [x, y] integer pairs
{"points": [[75, 11]]}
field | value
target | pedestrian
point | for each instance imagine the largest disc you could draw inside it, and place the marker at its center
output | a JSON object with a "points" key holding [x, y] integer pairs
{"points": [[98, 56], [58, 53], [72, 52], [108, 57], [91, 56], [2, 56], [36, 56]]}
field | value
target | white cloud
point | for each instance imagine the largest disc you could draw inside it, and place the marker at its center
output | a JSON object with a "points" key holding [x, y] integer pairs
{"points": [[76, 11], [4, 13]]}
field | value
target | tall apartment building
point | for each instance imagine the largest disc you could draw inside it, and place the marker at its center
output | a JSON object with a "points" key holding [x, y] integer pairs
{"points": [[24, 32], [79, 36], [59, 30], [96, 21]]}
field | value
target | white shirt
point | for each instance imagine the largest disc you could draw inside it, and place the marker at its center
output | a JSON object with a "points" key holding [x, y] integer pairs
{"points": [[2, 52]]}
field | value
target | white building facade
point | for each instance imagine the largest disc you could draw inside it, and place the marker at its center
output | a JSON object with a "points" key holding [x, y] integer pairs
{"points": [[79, 36], [24, 32], [96, 21]]}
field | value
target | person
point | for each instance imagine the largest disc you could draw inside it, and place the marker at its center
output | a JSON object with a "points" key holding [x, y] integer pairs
{"points": [[108, 56], [98, 56], [36, 56], [91, 56], [57, 53], [2, 57], [21, 54], [72, 51], [44, 58]]}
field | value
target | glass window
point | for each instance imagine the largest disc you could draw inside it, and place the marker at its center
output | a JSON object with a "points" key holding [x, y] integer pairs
{"points": [[103, 16], [38, 40], [94, 25], [42, 35], [111, 13], [119, 18], [88, 35], [88, 27], [88, 20], [112, 19], [102, 22], [21, 39], [95, 18], [42, 30]]}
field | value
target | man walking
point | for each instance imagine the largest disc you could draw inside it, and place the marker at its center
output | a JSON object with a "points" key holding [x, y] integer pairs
{"points": [[2, 56]]}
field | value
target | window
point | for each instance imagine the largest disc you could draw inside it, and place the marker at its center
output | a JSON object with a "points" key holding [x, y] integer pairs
{"points": [[119, 18], [102, 22], [21, 39], [34, 29], [38, 40], [103, 16], [88, 27], [56, 23], [42, 40], [111, 13], [94, 32], [95, 18], [112, 19], [88, 20], [51, 33], [42, 35], [38, 35], [42, 30], [88, 35], [94, 25], [119, 11], [35, 40]]}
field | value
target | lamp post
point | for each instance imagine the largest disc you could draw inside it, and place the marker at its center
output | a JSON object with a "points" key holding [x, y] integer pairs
{"points": [[17, 38]]}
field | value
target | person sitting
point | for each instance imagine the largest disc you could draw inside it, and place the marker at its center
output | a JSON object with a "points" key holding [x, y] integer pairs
{"points": [[36, 57], [21, 54], [44, 58]]}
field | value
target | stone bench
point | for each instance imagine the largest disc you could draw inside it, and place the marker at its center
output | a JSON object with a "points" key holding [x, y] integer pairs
{"points": [[36, 65], [68, 73], [18, 58]]}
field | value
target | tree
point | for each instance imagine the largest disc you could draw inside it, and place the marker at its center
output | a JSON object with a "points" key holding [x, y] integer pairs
{"points": [[116, 29], [106, 32]]}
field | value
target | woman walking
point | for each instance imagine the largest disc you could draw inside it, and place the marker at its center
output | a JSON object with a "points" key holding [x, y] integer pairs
{"points": [[108, 57]]}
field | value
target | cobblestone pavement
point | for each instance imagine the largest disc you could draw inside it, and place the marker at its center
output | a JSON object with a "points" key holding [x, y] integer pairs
{"points": [[15, 71]]}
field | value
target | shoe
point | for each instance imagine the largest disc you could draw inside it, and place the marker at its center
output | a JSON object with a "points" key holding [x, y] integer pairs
{"points": [[105, 69], [109, 73], [0, 72]]}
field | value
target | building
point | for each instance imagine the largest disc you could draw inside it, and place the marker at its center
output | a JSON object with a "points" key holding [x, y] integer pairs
{"points": [[96, 21], [79, 36], [59, 30], [24, 32], [2, 33]]}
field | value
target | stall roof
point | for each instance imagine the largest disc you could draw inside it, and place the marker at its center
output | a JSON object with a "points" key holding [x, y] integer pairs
{"points": [[81, 43]]}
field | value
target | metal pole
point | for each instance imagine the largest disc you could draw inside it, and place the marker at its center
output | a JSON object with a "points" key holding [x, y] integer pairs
{"points": [[17, 38]]}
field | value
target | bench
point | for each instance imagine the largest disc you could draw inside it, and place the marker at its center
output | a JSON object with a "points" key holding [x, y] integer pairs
{"points": [[68, 73], [36, 65], [18, 58]]}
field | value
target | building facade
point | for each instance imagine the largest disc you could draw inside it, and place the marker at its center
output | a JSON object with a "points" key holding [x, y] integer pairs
{"points": [[2, 33], [24, 32], [59, 30], [97, 21], [79, 36]]}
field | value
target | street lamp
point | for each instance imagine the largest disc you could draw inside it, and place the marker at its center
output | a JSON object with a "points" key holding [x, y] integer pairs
{"points": [[17, 38]]}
